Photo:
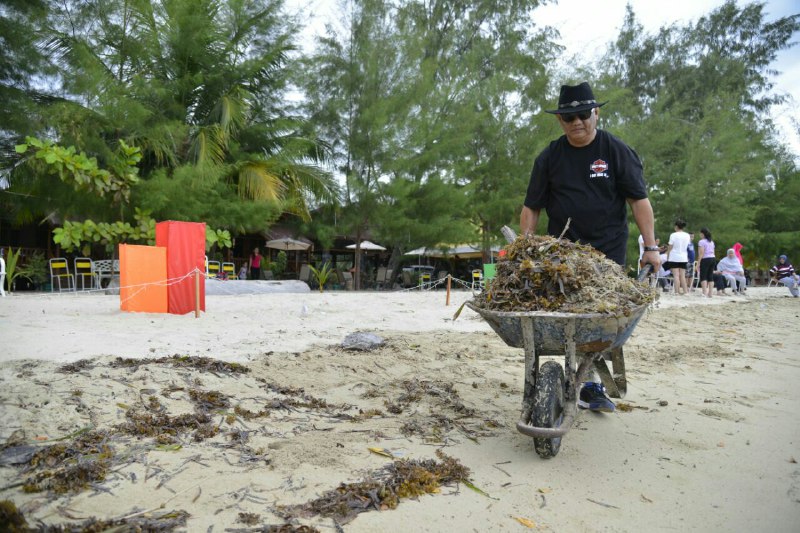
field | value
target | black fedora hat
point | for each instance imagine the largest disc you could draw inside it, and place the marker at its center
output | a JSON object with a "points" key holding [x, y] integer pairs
{"points": [[575, 98]]}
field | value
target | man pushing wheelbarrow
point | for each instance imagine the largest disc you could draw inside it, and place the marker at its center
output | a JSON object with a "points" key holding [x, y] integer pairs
{"points": [[588, 175], [583, 181]]}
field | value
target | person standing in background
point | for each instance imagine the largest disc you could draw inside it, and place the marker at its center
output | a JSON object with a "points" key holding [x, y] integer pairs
{"points": [[678, 257], [255, 264], [691, 255], [708, 261]]}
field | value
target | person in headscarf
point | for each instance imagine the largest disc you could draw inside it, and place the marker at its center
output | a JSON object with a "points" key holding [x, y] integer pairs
{"points": [[730, 267], [783, 272]]}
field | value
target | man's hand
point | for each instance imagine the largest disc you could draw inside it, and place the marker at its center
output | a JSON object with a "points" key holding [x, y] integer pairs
{"points": [[652, 258]]}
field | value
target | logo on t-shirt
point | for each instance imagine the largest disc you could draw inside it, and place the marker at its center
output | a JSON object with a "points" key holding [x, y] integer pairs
{"points": [[599, 168]]}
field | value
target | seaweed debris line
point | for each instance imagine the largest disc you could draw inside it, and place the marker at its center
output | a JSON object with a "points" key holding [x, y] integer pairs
{"points": [[543, 273]]}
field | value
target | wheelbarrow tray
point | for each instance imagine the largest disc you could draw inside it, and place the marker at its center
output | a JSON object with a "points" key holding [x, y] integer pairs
{"points": [[594, 332]]}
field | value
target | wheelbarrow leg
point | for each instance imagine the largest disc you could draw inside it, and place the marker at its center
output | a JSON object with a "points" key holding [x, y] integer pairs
{"points": [[616, 385], [531, 366], [618, 367]]}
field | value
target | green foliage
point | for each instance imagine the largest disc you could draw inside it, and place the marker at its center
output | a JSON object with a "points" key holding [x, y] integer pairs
{"points": [[437, 116], [426, 214], [82, 172], [278, 267], [12, 272], [218, 237], [322, 274], [83, 235], [36, 268], [777, 219], [200, 193], [691, 101], [191, 85]]}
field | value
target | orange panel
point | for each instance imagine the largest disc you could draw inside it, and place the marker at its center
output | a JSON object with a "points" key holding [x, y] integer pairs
{"points": [[142, 278]]}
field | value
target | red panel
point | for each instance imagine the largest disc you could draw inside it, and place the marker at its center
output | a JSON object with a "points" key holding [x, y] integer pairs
{"points": [[142, 271], [186, 251]]}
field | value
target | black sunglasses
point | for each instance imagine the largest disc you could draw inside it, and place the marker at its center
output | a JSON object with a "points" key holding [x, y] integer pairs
{"points": [[569, 117]]}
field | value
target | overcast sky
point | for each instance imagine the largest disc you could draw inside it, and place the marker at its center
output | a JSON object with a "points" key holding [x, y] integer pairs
{"points": [[587, 26]]}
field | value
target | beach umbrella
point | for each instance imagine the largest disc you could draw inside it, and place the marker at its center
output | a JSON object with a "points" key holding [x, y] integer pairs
{"points": [[287, 244], [420, 251], [367, 245]]}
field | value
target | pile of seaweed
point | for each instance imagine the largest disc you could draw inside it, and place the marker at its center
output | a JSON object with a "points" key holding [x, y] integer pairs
{"points": [[543, 273], [12, 520], [383, 489]]}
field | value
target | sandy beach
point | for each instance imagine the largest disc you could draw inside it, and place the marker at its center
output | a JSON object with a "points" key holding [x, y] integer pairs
{"points": [[708, 439]]}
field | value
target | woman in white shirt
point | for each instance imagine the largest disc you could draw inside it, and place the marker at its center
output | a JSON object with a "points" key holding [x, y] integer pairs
{"points": [[677, 257]]}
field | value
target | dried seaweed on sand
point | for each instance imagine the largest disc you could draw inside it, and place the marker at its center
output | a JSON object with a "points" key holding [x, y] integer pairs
{"points": [[383, 489], [542, 273], [204, 364], [11, 519]]}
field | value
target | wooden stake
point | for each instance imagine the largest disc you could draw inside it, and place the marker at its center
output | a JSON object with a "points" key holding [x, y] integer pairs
{"points": [[197, 293], [448, 291]]}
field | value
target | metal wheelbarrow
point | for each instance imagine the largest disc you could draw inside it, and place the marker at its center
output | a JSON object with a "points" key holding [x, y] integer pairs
{"points": [[549, 404]]}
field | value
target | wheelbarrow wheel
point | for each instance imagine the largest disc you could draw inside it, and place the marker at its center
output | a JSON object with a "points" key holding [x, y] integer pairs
{"points": [[548, 407]]}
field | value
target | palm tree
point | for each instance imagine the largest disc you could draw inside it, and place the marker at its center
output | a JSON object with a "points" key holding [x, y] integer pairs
{"points": [[192, 83]]}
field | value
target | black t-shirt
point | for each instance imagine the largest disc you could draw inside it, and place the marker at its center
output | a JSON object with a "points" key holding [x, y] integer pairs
{"points": [[590, 185]]}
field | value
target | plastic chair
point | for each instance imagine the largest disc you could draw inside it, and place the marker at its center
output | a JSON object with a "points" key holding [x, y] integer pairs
{"points": [[424, 277], [84, 268], [229, 271], [380, 277], [212, 269], [305, 273], [105, 269], [666, 276], [347, 277], [59, 271], [477, 279]]}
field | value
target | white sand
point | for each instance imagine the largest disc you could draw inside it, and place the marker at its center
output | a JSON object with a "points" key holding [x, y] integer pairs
{"points": [[720, 456]]}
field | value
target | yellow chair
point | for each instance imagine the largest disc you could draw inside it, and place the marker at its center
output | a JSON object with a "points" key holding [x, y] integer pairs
{"points": [[212, 269], [229, 271], [84, 268], [477, 279], [424, 278], [59, 272]]}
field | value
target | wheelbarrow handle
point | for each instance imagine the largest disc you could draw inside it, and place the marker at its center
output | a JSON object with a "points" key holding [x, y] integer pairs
{"points": [[644, 272]]}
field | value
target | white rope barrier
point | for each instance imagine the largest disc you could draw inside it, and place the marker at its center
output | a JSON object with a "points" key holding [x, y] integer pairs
{"points": [[160, 283], [428, 285], [141, 286]]}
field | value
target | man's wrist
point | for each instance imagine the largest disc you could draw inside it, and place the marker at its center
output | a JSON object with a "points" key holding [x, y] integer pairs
{"points": [[651, 248]]}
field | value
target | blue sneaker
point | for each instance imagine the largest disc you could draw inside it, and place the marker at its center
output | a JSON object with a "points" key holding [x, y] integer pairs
{"points": [[593, 396]]}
